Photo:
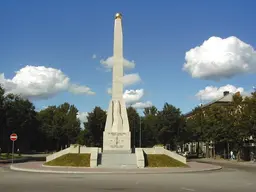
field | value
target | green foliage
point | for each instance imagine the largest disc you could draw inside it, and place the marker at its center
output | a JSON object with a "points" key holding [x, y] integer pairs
{"points": [[56, 127], [159, 145], [231, 123], [159, 160], [94, 127], [170, 124], [71, 160], [134, 123], [60, 125], [149, 124], [5, 156], [17, 115]]}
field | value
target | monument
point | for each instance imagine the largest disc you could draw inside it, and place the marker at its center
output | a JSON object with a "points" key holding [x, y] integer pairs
{"points": [[117, 135]]}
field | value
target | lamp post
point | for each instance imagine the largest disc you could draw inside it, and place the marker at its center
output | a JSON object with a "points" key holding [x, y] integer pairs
{"points": [[134, 134], [140, 132]]}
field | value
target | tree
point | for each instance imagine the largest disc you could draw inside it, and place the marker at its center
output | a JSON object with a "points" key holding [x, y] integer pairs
{"points": [[241, 123], [19, 116], [149, 127], [219, 125], [94, 127], [2, 118], [194, 125], [150, 111], [170, 122], [250, 113], [59, 125], [134, 123], [70, 123]]}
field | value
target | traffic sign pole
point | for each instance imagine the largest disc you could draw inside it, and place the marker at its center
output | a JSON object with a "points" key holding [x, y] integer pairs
{"points": [[13, 138], [12, 150]]}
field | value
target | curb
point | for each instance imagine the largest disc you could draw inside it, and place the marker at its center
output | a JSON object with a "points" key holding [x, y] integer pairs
{"points": [[112, 172], [68, 167], [17, 160], [51, 171], [228, 163]]}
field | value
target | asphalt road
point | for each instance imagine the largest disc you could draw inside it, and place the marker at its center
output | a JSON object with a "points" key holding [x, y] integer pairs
{"points": [[231, 178]]}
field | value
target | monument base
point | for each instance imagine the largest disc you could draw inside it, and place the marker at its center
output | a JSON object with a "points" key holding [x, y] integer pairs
{"points": [[117, 142]]}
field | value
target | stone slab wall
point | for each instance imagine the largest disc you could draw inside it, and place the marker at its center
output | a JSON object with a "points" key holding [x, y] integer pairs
{"points": [[58, 154], [162, 150], [94, 151], [140, 157]]}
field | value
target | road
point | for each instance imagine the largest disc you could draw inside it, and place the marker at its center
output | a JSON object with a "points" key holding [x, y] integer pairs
{"points": [[231, 178]]}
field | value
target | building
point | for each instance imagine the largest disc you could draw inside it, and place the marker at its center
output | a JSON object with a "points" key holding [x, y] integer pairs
{"points": [[224, 100]]}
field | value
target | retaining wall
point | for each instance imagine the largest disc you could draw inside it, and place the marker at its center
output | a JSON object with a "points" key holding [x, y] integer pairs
{"points": [[162, 150], [94, 151]]}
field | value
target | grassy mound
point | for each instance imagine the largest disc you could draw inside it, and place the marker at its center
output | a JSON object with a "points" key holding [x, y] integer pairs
{"points": [[72, 160], [5, 156], [159, 160]]}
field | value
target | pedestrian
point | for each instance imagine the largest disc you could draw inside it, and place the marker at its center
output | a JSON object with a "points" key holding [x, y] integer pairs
{"points": [[18, 151], [231, 155]]}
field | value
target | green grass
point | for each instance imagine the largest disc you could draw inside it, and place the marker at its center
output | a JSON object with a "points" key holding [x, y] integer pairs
{"points": [[159, 160], [72, 160], [5, 156]]}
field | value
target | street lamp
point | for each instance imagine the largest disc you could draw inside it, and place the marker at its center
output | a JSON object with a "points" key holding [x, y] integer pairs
{"points": [[134, 134], [140, 132]]}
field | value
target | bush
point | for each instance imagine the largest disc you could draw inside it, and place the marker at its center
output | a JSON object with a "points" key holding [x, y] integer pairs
{"points": [[159, 145]]}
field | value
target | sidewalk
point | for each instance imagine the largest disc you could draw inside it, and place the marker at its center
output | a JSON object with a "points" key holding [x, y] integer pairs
{"points": [[242, 163], [39, 168]]}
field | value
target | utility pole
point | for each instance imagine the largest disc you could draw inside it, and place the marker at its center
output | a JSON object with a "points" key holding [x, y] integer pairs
{"points": [[201, 123]]}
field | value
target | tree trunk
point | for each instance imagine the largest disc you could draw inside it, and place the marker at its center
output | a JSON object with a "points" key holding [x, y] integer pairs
{"points": [[207, 150], [228, 150], [214, 151], [197, 149]]}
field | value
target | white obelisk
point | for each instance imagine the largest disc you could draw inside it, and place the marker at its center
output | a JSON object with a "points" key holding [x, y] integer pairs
{"points": [[117, 135]]}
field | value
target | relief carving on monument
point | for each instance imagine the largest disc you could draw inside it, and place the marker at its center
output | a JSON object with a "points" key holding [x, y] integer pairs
{"points": [[117, 134], [116, 143]]}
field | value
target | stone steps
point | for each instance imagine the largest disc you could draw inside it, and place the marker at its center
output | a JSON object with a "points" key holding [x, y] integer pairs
{"points": [[118, 160]]}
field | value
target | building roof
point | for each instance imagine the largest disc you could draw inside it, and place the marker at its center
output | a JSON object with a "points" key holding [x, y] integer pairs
{"points": [[226, 98]]}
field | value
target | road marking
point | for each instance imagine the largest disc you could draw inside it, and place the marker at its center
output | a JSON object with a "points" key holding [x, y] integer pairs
{"points": [[187, 189]]}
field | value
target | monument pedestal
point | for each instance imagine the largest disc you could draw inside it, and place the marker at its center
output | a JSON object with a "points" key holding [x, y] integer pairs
{"points": [[116, 142]]}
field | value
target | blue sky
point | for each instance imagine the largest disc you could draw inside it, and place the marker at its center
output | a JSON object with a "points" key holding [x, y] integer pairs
{"points": [[65, 35]]}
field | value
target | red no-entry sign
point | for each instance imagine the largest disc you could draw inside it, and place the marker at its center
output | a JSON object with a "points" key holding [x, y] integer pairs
{"points": [[14, 137]]}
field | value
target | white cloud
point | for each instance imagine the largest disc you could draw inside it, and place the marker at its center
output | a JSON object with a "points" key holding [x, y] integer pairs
{"points": [[94, 56], [39, 82], [212, 93], [108, 63], [82, 116], [109, 91], [142, 105], [78, 89], [219, 58], [133, 96], [131, 79]]}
